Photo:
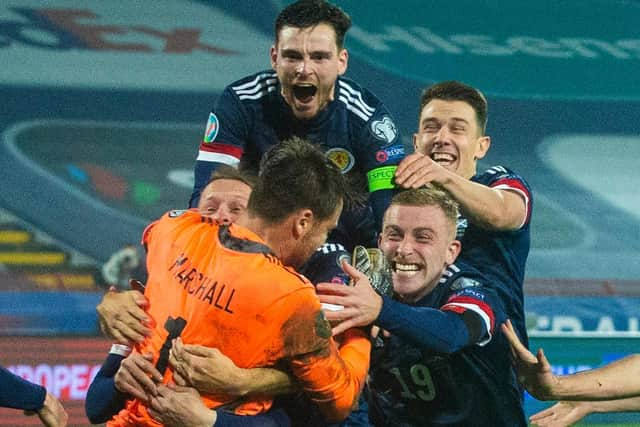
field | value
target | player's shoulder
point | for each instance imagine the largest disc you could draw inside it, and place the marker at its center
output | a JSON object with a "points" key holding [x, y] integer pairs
{"points": [[358, 100], [462, 275], [172, 220], [498, 172], [254, 86]]}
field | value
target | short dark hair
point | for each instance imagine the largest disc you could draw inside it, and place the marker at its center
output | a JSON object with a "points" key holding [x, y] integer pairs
{"points": [[296, 174], [308, 13], [430, 195], [457, 91], [229, 172]]}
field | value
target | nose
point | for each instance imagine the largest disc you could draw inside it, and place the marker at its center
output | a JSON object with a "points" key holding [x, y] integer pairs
{"points": [[442, 137], [222, 216], [404, 247], [302, 68]]}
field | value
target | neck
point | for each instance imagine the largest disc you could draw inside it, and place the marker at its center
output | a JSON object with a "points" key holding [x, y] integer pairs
{"points": [[271, 234]]}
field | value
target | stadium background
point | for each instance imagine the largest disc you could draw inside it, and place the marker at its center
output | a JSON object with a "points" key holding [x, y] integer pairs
{"points": [[104, 103]]}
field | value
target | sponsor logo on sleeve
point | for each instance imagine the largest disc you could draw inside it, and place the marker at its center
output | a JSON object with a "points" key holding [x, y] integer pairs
{"points": [[392, 153], [342, 158], [464, 283], [384, 129], [213, 125]]}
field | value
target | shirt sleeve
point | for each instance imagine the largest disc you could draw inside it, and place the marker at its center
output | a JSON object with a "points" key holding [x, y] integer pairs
{"points": [[332, 378], [222, 143], [18, 393], [103, 399], [382, 150], [465, 319]]}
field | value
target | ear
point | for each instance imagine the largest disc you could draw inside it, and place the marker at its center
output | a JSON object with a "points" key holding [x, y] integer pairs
{"points": [[484, 142], [453, 251], [343, 61], [415, 143], [273, 53], [303, 221]]}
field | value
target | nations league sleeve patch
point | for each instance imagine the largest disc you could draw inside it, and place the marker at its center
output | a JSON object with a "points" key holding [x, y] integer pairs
{"points": [[384, 129], [213, 126]]}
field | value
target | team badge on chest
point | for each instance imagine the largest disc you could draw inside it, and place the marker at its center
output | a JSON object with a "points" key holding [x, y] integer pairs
{"points": [[342, 158]]}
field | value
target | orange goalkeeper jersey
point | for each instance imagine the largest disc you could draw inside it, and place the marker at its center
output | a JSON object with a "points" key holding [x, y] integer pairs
{"points": [[222, 287]]}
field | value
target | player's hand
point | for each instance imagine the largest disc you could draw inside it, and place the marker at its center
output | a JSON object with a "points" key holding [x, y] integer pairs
{"points": [[416, 170], [52, 413], [562, 414], [361, 303], [123, 318], [534, 372], [206, 369], [176, 406], [138, 377]]}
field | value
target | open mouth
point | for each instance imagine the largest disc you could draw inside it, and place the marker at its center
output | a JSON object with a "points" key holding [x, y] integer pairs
{"points": [[304, 93], [405, 268], [443, 158]]}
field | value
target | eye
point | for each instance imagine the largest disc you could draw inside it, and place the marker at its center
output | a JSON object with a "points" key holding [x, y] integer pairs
{"points": [[423, 238]]}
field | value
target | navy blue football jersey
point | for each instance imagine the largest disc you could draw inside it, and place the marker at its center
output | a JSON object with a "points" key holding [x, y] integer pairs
{"points": [[416, 381], [355, 130], [501, 255]]}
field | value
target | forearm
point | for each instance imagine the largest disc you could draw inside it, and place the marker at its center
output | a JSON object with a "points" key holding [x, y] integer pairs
{"points": [[630, 404], [20, 394], [267, 381], [616, 380], [103, 399], [334, 381], [487, 207], [429, 328]]}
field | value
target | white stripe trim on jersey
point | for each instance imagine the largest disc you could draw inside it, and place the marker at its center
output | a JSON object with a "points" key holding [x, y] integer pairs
{"points": [[269, 87], [476, 309], [260, 94], [208, 156], [356, 96], [450, 271], [354, 109], [496, 169], [505, 187], [254, 82]]}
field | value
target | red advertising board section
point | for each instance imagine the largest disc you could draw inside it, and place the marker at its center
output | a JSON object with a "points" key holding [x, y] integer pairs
{"points": [[65, 366]]}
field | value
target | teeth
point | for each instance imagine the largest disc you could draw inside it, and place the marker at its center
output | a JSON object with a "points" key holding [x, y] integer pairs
{"points": [[406, 267], [445, 157]]}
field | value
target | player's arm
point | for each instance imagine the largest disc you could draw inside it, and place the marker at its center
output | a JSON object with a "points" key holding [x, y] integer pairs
{"points": [[463, 321], [384, 152], [222, 142], [210, 371], [615, 380], [103, 398], [18, 393], [332, 378], [502, 206], [567, 413]]}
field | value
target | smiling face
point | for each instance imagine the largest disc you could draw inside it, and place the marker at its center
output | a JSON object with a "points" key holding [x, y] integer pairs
{"points": [[224, 200], [449, 133], [419, 242], [308, 62]]}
